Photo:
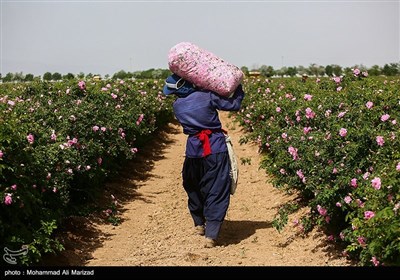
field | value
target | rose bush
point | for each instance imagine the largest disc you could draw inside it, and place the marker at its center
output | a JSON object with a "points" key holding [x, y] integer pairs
{"points": [[58, 144], [335, 141]]}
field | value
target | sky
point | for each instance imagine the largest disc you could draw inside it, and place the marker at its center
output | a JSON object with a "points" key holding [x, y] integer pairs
{"points": [[104, 37]]}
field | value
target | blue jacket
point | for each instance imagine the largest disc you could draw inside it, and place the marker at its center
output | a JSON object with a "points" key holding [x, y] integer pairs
{"points": [[199, 111]]}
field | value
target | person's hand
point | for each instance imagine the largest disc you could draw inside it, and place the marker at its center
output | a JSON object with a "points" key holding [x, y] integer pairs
{"points": [[239, 89]]}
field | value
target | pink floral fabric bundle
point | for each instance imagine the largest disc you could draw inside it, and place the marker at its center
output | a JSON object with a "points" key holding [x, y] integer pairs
{"points": [[204, 69]]}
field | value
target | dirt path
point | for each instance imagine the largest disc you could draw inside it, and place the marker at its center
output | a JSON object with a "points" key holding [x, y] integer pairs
{"points": [[156, 228]]}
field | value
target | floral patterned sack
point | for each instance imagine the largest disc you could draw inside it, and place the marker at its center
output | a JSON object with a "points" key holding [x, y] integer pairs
{"points": [[204, 69]]}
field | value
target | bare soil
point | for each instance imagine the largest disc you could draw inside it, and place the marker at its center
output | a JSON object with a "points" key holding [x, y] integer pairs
{"points": [[156, 229]]}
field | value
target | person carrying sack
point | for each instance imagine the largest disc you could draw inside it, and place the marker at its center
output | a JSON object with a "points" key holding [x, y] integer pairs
{"points": [[206, 171]]}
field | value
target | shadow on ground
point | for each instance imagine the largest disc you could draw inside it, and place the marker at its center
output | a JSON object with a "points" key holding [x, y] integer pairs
{"points": [[78, 234], [233, 232]]}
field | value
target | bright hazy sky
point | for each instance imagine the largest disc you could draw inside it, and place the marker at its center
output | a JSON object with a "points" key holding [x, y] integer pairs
{"points": [[104, 37]]}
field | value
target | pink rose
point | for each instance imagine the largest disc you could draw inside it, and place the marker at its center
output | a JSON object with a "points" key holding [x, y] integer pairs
{"points": [[375, 261], [347, 199], [380, 141], [307, 97], [30, 138], [356, 72], [8, 199], [81, 85], [385, 117], [376, 183], [369, 104], [369, 215], [322, 211]]}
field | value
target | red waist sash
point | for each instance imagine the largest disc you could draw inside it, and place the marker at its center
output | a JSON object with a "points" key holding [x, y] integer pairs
{"points": [[205, 140]]}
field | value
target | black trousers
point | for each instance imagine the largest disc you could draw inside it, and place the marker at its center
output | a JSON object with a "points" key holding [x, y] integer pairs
{"points": [[207, 184]]}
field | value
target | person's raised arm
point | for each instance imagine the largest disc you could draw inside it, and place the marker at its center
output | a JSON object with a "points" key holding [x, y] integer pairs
{"points": [[232, 103]]}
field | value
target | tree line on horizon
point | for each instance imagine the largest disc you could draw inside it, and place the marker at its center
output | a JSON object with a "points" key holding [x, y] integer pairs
{"points": [[389, 69]]}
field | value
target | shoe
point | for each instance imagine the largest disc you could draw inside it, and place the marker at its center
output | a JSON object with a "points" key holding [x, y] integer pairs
{"points": [[210, 243], [199, 230]]}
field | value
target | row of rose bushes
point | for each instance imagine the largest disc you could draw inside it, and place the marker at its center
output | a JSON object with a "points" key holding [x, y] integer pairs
{"points": [[336, 143], [59, 142]]}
